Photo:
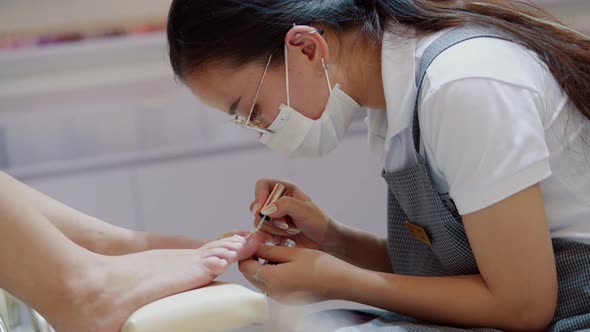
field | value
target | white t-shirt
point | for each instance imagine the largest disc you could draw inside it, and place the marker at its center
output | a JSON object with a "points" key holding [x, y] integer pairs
{"points": [[493, 122]]}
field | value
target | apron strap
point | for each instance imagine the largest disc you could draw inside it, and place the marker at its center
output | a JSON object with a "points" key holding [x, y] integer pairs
{"points": [[443, 43]]}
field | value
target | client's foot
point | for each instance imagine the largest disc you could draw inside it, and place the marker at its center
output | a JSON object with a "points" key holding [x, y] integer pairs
{"points": [[120, 285]]}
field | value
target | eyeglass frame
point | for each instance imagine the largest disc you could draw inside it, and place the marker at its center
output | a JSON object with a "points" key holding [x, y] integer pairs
{"points": [[255, 125]]}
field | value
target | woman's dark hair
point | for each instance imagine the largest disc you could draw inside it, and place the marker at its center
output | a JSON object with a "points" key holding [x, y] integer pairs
{"points": [[236, 32]]}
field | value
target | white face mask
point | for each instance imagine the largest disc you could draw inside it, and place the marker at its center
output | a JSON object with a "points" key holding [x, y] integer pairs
{"points": [[300, 137]]}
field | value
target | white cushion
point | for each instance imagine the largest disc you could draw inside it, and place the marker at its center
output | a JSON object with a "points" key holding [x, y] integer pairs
{"points": [[218, 307]]}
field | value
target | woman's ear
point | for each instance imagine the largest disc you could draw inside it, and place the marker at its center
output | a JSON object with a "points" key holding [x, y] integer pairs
{"points": [[308, 42]]}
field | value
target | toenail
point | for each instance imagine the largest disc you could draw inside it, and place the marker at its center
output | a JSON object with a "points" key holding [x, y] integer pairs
{"points": [[238, 238]]}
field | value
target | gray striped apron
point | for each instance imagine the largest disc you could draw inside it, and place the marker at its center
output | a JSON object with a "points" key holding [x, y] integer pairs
{"points": [[435, 243]]}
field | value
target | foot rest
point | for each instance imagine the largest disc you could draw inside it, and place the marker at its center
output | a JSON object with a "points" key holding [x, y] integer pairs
{"points": [[218, 307]]}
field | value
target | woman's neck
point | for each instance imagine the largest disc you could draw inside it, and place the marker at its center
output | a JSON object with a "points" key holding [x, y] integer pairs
{"points": [[359, 70]]}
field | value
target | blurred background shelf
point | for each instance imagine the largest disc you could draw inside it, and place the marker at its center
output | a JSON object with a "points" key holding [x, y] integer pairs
{"points": [[83, 65], [49, 16]]}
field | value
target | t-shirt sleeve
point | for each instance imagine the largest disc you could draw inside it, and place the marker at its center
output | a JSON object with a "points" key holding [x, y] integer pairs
{"points": [[487, 139]]}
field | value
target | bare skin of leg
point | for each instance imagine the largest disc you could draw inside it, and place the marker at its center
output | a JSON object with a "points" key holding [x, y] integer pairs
{"points": [[77, 289], [117, 286]]}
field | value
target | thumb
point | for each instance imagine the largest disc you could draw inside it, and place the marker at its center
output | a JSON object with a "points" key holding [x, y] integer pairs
{"points": [[276, 254], [251, 246]]}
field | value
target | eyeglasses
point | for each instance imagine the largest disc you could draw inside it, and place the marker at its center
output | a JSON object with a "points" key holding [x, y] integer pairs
{"points": [[249, 122]]}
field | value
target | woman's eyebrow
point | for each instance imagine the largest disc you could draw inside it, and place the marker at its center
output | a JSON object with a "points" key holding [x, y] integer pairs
{"points": [[234, 106]]}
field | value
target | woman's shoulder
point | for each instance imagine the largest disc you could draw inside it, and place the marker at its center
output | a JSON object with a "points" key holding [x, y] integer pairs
{"points": [[489, 58]]}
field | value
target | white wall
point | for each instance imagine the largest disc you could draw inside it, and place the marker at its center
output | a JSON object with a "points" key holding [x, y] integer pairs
{"points": [[37, 16]]}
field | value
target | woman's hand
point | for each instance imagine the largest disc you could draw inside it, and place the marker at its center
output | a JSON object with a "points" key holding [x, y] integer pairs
{"points": [[300, 275], [297, 217], [294, 215]]}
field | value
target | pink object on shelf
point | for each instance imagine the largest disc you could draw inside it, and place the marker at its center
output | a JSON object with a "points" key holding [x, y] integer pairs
{"points": [[9, 42]]}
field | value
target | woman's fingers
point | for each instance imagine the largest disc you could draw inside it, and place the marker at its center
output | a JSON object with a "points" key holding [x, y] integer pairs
{"points": [[278, 227], [296, 209], [265, 186], [262, 190], [277, 254], [284, 228], [299, 211], [254, 208], [295, 206]]}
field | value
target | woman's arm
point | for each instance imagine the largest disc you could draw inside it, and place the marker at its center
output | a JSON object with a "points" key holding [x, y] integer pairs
{"points": [[517, 288], [96, 235], [358, 247]]}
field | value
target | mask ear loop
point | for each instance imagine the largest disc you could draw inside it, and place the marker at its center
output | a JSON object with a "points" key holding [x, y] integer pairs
{"points": [[327, 75], [287, 75], [324, 65]]}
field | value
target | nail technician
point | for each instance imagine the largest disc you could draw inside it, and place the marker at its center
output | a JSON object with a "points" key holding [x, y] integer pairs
{"points": [[480, 113]]}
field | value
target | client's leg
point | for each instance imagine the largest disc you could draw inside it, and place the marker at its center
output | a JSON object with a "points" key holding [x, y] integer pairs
{"points": [[117, 286], [80, 290]]}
